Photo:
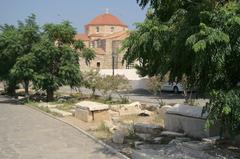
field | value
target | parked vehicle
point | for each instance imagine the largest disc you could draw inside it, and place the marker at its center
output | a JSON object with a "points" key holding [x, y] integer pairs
{"points": [[172, 87]]}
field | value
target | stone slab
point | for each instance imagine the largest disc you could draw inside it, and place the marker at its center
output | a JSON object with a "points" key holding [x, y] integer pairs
{"points": [[194, 127], [84, 115], [101, 115], [92, 106], [147, 128], [187, 110]]}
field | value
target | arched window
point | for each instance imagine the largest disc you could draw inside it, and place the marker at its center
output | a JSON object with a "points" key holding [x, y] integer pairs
{"points": [[97, 29], [112, 29], [98, 64]]}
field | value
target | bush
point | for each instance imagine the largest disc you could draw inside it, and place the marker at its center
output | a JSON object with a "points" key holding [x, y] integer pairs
{"points": [[224, 108], [113, 84]]}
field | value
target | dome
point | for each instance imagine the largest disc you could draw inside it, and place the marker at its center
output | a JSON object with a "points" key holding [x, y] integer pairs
{"points": [[106, 19]]}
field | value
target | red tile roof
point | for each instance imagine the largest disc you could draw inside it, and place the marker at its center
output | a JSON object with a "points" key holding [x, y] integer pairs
{"points": [[82, 37], [106, 19]]}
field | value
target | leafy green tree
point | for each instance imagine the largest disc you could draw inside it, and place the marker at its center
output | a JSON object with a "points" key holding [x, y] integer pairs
{"points": [[197, 40], [16, 42], [199, 43], [57, 63], [23, 70]]}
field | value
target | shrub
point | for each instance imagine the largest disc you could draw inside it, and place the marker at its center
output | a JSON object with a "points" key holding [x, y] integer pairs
{"points": [[224, 108]]}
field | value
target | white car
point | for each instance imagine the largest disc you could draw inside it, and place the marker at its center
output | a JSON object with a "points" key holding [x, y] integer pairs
{"points": [[173, 87]]}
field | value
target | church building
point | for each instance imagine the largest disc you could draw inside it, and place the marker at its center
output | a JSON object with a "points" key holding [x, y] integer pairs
{"points": [[104, 35]]}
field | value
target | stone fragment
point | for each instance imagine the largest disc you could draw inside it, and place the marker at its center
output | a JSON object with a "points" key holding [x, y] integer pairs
{"points": [[172, 134], [149, 107], [144, 137], [110, 126], [145, 113], [147, 128], [189, 119], [91, 111], [118, 137], [211, 140], [162, 111], [179, 140], [137, 144], [158, 140], [198, 145]]}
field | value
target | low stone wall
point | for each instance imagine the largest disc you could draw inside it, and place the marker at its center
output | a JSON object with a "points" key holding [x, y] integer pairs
{"points": [[191, 126], [84, 115], [190, 120]]}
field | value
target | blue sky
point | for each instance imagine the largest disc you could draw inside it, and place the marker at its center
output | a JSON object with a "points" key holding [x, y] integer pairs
{"points": [[78, 12]]}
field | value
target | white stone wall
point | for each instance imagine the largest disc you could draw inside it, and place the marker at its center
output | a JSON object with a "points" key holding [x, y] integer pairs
{"points": [[135, 81]]}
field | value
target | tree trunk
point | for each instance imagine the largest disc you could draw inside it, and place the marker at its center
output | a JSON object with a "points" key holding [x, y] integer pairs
{"points": [[50, 95], [26, 86], [11, 88]]}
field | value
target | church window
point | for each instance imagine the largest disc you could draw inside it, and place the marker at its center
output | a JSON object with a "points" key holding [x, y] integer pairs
{"points": [[112, 29], [97, 29], [98, 64]]}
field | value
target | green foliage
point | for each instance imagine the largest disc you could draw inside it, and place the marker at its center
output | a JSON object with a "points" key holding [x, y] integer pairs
{"points": [[113, 84], [155, 85], [88, 54], [60, 33], [49, 58], [91, 80], [224, 108], [199, 46], [198, 40], [57, 63], [15, 45]]}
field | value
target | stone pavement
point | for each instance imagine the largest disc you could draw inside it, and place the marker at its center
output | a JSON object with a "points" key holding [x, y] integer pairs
{"points": [[28, 134]]}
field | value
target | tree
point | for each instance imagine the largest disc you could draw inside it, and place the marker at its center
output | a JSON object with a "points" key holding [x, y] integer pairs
{"points": [[199, 43], [194, 41], [16, 42], [23, 68], [57, 62], [91, 80]]}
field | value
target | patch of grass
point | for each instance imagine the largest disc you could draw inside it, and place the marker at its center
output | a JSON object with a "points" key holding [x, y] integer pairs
{"points": [[65, 107], [45, 109]]}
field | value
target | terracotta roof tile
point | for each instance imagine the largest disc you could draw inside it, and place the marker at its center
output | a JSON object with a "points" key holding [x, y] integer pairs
{"points": [[106, 19], [82, 37]]}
